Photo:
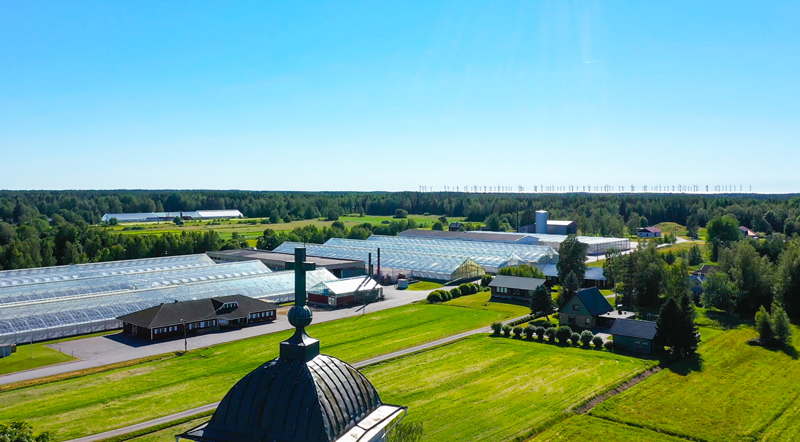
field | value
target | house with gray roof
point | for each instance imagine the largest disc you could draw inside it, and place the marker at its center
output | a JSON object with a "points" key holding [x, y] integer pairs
{"points": [[634, 336], [514, 287]]}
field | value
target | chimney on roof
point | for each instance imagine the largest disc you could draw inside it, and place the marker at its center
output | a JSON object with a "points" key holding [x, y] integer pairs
{"points": [[619, 308]]}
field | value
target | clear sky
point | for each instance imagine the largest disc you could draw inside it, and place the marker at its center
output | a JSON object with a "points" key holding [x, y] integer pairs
{"points": [[392, 95]]}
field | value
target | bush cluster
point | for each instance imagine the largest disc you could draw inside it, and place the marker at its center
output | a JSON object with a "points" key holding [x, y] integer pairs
{"points": [[563, 334], [456, 292]]}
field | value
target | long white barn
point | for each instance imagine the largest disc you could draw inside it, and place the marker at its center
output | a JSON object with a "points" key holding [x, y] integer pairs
{"points": [[168, 216]]}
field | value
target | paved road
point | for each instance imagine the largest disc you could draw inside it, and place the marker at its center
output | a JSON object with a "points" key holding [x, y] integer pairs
{"points": [[208, 407], [112, 349]]}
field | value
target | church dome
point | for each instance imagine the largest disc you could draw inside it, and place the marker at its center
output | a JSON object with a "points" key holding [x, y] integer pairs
{"points": [[292, 400]]}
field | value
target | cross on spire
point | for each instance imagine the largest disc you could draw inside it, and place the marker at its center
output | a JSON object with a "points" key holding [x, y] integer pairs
{"points": [[300, 346]]}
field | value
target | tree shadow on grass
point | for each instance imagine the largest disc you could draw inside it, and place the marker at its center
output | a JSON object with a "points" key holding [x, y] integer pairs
{"points": [[686, 366], [725, 320], [788, 351]]}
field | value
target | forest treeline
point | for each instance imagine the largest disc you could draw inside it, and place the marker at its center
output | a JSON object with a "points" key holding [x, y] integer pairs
{"points": [[41, 228]]}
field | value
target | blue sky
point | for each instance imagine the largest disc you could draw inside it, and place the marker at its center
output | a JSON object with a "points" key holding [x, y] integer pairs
{"points": [[390, 96]]}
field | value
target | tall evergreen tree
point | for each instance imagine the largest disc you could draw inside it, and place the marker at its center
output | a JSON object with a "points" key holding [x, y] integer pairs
{"points": [[569, 288], [542, 302], [572, 259]]}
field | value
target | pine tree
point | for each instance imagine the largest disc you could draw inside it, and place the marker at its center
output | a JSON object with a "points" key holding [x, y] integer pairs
{"points": [[763, 326], [688, 337], [668, 324], [569, 287], [781, 328], [542, 302]]}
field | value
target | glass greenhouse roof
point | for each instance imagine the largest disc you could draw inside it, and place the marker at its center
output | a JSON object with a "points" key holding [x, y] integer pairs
{"points": [[57, 313], [529, 253], [92, 270], [128, 281], [439, 264]]}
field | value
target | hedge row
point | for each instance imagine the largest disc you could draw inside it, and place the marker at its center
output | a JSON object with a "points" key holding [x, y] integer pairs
{"points": [[457, 292], [564, 335]]}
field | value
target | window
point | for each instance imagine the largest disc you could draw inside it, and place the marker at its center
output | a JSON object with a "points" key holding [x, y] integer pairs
{"points": [[571, 319], [230, 305], [588, 321], [576, 308]]}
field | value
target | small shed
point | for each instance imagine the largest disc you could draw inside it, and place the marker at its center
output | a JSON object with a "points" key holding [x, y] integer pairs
{"points": [[514, 287], [583, 309], [455, 227], [344, 292], [634, 336], [648, 232]]}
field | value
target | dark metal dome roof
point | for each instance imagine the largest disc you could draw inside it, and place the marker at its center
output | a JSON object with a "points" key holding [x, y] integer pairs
{"points": [[292, 400]]}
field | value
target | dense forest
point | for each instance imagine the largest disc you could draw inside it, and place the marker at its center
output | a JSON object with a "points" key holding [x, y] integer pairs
{"points": [[42, 228]]}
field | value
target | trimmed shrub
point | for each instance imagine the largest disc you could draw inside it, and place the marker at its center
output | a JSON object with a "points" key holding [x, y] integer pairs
{"points": [[467, 289], [485, 280], [539, 333], [517, 332], [574, 338], [446, 296], [550, 333], [563, 333], [597, 341], [608, 345], [455, 293], [586, 338], [542, 322], [434, 297], [506, 330], [529, 330], [475, 287], [497, 327]]}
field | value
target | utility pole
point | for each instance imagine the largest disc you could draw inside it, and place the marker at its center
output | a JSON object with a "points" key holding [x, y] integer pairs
{"points": [[185, 342]]}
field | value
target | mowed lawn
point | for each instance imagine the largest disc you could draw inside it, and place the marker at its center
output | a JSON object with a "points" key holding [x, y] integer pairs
{"points": [[736, 392], [482, 301], [494, 389], [113, 399], [21, 360], [591, 429]]}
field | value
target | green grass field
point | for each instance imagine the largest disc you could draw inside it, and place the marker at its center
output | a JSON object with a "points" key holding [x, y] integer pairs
{"points": [[731, 392], [425, 285], [103, 401], [482, 301], [21, 360], [495, 389], [590, 429], [251, 228]]}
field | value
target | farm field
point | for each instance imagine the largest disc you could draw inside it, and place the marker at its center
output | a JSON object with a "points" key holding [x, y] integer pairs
{"points": [[731, 392], [103, 401], [591, 429], [495, 389], [252, 228]]}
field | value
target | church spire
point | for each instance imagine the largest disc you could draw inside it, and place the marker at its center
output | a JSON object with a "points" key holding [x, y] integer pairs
{"points": [[300, 346]]}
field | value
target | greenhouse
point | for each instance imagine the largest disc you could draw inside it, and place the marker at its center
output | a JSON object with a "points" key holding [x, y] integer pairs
{"points": [[395, 262], [530, 253], [93, 270], [492, 258], [55, 318], [66, 288]]}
